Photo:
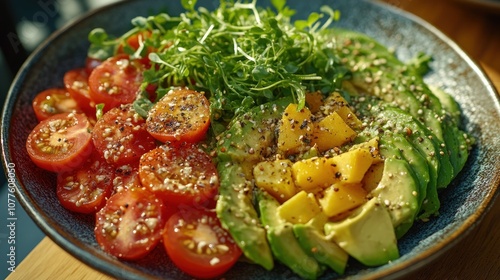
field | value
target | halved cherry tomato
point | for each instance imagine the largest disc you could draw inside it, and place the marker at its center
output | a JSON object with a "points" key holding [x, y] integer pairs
{"points": [[85, 190], [134, 42], [130, 225], [120, 136], [126, 177], [116, 81], [181, 115], [54, 101], [180, 175], [60, 143], [196, 242], [76, 82]]}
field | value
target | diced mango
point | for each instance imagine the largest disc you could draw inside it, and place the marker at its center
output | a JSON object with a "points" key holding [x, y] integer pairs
{"points": [[373, 176], [295, 130], [314, 174], [352, 165], [275, 177], [336, 103], [314, 101], [299, 209], [341, 197], [372, 146], [332, 132]]}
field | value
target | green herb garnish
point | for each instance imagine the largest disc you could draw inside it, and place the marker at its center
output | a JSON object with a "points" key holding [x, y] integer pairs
{"points": [[241, 55]]}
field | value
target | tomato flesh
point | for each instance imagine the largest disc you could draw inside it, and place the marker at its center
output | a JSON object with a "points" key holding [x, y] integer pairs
{"points": [[121, 137], [180, 175], [116, 81], [76, 82], [130, 225], [197, 244], [54, 101], [61, 142], [126, 177], [85, 189], [181, 115]]}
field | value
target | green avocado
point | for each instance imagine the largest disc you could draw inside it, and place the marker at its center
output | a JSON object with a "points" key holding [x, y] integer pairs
{"points": [[238, 215], [312, 239], [284, 245], [367, 234], [398, 191], [244, 144]]}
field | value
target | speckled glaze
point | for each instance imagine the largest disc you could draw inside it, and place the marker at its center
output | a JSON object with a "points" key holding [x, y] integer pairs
{"points": [[464, 202]]}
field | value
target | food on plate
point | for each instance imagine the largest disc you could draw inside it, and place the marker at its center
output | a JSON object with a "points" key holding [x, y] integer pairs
{"points": [[240, 133]]}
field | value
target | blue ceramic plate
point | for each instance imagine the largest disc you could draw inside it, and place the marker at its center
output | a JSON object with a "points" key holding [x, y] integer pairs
{"points": [[463, 203]]}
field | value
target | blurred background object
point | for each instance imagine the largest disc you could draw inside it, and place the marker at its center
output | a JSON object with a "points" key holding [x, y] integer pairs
{"points": [[23, 26]]}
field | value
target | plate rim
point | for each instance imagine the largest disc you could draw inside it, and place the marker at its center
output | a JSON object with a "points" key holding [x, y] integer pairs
{"points": [[73, 245]]}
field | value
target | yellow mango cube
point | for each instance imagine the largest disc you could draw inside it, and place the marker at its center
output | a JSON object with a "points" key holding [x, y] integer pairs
{"points": [[295, 130], [332, 132], [342, 197], [299, 209], [372, 147], [336, 103], [275, 177], [352, 165], [314, 174]]}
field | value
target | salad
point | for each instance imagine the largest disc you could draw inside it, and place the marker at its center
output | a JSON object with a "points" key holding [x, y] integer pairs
{"points": [[241, 134]]}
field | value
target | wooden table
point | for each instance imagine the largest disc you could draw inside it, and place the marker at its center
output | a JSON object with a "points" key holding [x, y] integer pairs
{"points": [[477, 256]]}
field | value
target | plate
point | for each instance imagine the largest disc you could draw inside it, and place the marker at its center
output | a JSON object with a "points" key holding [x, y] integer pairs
{"points": [[464, 202]]}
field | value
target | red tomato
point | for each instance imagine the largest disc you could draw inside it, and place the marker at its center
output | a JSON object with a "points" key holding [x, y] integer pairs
{"points": [[120, 136], [61, 142], [181, 115], [181, 175], [54, 101], [126, 177], [85, 190], [76, 82], [197, 244], [130, 225], [134, 43], [116, 81]]}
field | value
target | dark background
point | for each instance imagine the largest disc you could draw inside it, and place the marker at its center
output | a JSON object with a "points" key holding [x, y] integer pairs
{"points": [[23, 26]]}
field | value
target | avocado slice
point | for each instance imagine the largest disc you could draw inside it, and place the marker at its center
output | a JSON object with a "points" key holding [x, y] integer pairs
{"points": [[238, 215], [398, 191], [238, 149], [367, 234], [377, 71], [312, 239], [284, 245]]}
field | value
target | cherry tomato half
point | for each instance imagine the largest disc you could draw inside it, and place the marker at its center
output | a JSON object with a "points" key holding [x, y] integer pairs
{"points": [[85, 190], [134, 43], [76, 82], [54, 101], [181, 115], [60, 143], [126, 177], [130, 225], [180, 175], [120, 136], [197, 244], [116, 81]]}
